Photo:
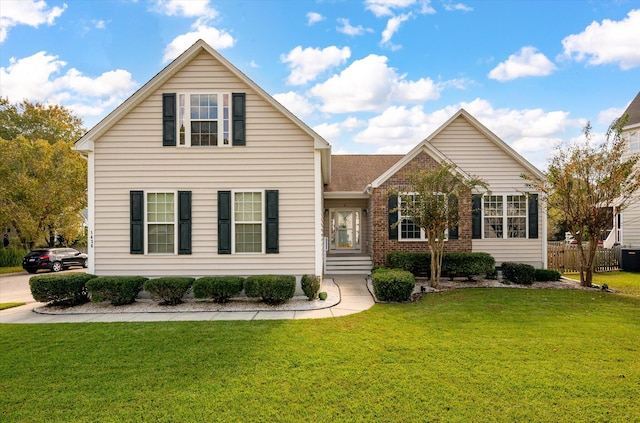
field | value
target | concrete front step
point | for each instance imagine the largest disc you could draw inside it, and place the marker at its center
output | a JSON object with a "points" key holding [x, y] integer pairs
{"points": [[348, 265]]}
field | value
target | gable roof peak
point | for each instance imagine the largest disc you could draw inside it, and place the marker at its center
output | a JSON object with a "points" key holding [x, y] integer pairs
{"points": [[633, 110]]}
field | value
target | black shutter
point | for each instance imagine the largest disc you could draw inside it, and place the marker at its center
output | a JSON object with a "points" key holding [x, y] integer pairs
{"points": [[533, 216], [136, 227], [224, 222], [238, 100], [453, 205], [168, 120], [272, 221], [476, 216], [393, 216], [184, 222]]}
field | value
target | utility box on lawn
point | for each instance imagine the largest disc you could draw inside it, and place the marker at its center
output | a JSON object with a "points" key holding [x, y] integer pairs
{"points": [[630, 259]]}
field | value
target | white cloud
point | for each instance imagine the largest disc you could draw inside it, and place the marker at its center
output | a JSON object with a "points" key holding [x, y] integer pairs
{"points": [[369, 85], [526, 62], [218, 39], [313, 18], [328, 131], [386, 7], [307, 64], [615, 42], [295, 103], [26, 12], [99, 24], [34, 78], [532, 132], [607, 116], [393, 24], [347, 29], [458, 7], [187, 8]]}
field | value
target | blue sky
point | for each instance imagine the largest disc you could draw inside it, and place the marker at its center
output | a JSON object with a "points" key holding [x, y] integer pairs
{"points": [[371, 76]]}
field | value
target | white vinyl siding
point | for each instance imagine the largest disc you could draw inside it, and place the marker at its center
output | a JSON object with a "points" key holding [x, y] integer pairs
{"points": [[278, 155], [477, 155]]}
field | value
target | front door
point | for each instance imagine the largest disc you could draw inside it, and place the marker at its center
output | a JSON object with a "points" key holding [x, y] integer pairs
{"points": [[345, 230]]}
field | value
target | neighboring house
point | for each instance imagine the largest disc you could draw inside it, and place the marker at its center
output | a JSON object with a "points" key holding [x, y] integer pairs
{"points": [[627, 223], [201, 172]]}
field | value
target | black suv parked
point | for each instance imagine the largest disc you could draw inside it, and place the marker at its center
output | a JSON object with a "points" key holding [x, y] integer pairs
{"points": [[54, 259]]}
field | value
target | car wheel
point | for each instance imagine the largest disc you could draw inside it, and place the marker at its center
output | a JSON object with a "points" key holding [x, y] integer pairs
{"points": [[56, 266], [85, 264]]}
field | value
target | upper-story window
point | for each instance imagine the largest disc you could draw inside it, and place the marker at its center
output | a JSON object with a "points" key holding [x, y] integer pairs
{"points": [[634, 141], [204, 119]]}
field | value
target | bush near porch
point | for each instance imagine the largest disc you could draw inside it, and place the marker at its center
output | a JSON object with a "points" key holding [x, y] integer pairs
{"points": [[468, 265]]}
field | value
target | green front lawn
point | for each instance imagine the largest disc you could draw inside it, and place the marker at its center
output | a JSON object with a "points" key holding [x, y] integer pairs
{"points": [[458, 356], [5, 270], [4, 306], [627, 283]]}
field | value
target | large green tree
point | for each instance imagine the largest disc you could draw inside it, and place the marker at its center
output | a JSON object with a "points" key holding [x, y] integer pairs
{"points": [[37, 121], [43, 181], [583, 181], [432, 201]]}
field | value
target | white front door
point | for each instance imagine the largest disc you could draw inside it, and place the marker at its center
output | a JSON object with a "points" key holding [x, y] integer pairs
{"points": [[345, 230]]}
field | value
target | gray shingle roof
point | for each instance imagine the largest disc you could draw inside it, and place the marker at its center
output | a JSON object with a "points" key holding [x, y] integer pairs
{"points": [[633, 111]]}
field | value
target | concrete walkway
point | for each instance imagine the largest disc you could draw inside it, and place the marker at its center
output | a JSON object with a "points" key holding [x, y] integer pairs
{"points": [[354, 298]]}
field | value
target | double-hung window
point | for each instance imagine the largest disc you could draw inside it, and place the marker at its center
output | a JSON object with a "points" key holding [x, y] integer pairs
{"points": [[505, 216], [247, 222], [204, 119], [408, 230], [161, 222]]}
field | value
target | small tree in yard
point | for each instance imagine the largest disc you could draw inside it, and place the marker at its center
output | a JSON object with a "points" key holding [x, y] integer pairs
{"points": [[583, 181], [431, 203]]}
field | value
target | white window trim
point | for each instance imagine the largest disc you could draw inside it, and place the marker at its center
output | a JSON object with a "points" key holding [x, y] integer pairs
{"points": [[262, 222], [505, 216], [423, 236], [147, 223], [220, 119]]}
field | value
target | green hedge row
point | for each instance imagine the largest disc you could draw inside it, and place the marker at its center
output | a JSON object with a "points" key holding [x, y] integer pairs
{"points": [[68, 289], [76, 288], [393, 284], [219, 288], [273, 289], [169, 289], [468, 265]]}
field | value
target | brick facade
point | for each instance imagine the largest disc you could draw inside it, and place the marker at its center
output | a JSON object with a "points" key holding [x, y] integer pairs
{"points": [[379, 214]]}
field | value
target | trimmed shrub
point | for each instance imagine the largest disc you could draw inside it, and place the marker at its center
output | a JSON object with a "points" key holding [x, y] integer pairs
{"points": [[219, 288], [69, 288], [169, 289], [417, 263], [119, 290], [273, 289], [393, 284], [547, 275], [310, 285], [12, 256], [467, 265], [518, 273]]}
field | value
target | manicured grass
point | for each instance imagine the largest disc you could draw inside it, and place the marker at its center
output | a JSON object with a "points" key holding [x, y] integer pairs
{"points": [[4, 306], [458, 356], [627, 283], [4, 270]]}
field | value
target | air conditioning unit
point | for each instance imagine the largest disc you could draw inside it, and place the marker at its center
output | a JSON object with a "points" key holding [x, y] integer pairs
{"points": [[630, 259]]}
